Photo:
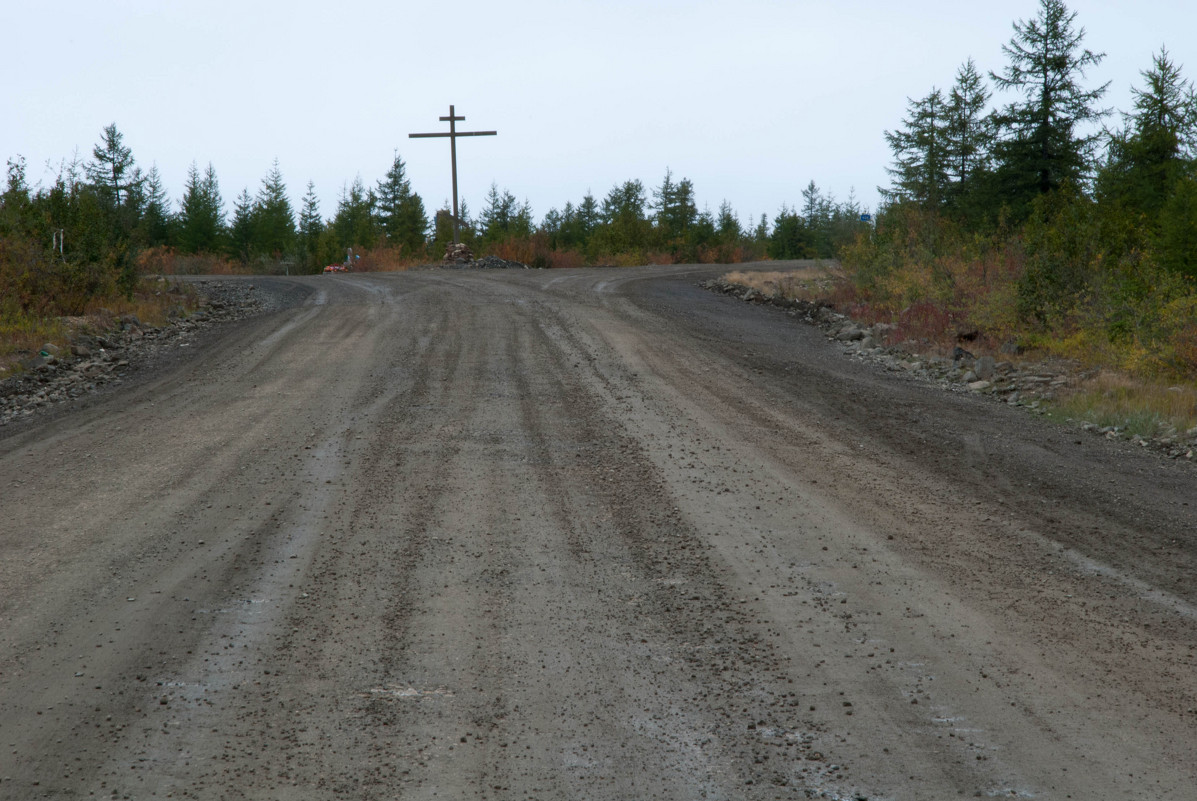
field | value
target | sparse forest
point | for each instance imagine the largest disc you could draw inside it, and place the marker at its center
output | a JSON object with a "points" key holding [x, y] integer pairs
{"points": [[1045, 221]]}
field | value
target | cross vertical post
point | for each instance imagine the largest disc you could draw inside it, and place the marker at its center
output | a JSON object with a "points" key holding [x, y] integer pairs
{"points": [[453, 133]]}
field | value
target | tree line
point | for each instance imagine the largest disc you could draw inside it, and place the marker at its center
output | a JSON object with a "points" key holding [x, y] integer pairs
{"points": [[100, 219]]}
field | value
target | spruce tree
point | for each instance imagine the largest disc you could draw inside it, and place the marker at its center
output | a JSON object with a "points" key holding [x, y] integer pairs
{"points": [[354, 221], [399, 210], [155, 225], [588, 216], [311, 226], [241, 229], [274, 221], [728, 225], [201, 214]]}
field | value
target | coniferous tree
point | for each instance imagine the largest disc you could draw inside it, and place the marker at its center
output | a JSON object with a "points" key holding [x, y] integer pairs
{"points": [[1042, 146], [498, 214], [241, 229], [674, 206], [354, 221], [588, 216], [967, 137], [728, 225], [791, 237], [311, 226], [274, 220], [1151, 153], [624, 228], [400, 211], [16, 207], [156, 217], [113, 172], [201, 213], [920, 168]]}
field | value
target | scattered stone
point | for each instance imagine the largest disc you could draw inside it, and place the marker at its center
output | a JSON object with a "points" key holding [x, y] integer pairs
{"points": [[92, 360], [1004, 381]]}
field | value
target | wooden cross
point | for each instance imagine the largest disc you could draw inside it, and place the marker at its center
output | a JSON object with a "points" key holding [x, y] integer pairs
{"points": [[453, 119]]}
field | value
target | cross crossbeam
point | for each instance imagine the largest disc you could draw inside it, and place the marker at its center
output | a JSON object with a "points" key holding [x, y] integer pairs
{"points": [[452, 135]]}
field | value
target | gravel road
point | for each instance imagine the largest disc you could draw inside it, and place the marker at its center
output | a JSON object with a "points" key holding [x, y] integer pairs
{"points": [[581, 534]]}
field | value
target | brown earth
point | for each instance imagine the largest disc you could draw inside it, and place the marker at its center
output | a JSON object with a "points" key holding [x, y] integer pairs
{"points": [[589, 534]]}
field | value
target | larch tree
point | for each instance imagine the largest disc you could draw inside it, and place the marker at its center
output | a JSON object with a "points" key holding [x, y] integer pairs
{"points": [[920, 169], [1043, 144]]}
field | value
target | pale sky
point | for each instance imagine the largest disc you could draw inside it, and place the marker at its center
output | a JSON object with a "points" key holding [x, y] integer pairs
{"points": [[749, 99]]}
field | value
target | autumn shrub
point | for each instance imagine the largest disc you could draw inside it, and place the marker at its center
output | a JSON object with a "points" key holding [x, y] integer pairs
{"points": [[564, 259], [167, 261], [523, 250], [388, 258]]}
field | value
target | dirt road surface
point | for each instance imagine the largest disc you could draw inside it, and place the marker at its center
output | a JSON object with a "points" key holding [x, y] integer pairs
{"points": [[590, 534]]}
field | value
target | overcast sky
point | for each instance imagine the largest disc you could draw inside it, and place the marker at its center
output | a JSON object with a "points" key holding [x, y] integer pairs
{"points": [[749, 99]]}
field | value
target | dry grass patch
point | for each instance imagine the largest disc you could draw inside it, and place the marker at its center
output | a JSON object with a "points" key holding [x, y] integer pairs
{"points": [[1133, 405], [806, 283], [23, 334]]}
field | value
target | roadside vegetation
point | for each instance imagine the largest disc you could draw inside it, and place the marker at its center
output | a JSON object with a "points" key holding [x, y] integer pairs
{"points": [[1046, 226]]}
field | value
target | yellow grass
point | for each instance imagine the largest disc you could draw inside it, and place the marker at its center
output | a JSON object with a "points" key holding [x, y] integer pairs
{"points": [[802, 282], [1134, 405], [23, 335]]}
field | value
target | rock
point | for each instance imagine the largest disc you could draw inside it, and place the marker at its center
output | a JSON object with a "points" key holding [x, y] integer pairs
{"points": [[962, 355], [495, 263], [969, 377], [979, 386], [51, 349], [985, 367], [850, 334], [82, 351], [1011, 348], [868, 343]]}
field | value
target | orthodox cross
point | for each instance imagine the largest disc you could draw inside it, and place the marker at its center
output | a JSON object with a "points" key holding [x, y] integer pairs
{"points": [[453, 119]]}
